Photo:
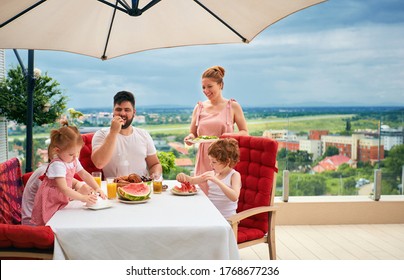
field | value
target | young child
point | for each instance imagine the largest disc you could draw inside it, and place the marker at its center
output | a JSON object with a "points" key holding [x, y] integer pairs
{"points": [[224, 182], [31, 188], [56, 188]]}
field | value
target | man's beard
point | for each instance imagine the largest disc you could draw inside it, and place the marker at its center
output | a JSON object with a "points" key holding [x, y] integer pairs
{"points": [[127, 123]]}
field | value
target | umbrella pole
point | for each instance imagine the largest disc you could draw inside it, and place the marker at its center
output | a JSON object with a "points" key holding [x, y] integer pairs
{"points": [[30, 110]]}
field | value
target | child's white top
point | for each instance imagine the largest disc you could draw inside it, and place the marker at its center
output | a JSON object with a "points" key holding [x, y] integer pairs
{"points": [[219, 199]]}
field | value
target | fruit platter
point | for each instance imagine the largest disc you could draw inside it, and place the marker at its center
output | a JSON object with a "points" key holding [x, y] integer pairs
{"points": [[134, 193], [186, 189]]}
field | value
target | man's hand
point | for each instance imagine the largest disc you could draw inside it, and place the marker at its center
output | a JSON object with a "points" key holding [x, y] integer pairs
{"points": [[116, 124]]}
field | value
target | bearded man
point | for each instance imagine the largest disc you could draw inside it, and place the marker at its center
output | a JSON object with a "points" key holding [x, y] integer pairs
{"points": [[122, 148]]}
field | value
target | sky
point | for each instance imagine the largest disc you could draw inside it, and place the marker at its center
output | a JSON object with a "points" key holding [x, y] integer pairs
{"points": [[338, 53]]}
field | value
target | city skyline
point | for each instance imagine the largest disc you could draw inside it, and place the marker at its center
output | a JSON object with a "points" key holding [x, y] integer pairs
{"points": [[338, 53]]}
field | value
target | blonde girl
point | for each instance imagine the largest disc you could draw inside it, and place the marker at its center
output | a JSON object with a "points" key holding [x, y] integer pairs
{"points": [[56, 188], [224, 182]]}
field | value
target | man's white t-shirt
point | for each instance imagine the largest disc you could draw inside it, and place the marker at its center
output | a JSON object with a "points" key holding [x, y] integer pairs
{"points": [[131, 149]]}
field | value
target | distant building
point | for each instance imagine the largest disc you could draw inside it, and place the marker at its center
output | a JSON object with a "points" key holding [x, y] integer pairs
{"points": [[161, 145], [2, 64], [313, 147], [343, 143], [3, 140], [292, 146], [276, 134], [391, 137], [316, 134], [282, 134], [179, 147], [184, 162], [139, 119], [357, 147], [331, 163], [3, 120]]}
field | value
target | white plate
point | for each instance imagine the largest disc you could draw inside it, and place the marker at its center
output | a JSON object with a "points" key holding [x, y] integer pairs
{"points": [[133, 201], [101, 204], [183, 193]]}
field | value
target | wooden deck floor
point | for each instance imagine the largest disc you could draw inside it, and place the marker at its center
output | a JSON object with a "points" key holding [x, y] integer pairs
{"points": [[334, 242]]}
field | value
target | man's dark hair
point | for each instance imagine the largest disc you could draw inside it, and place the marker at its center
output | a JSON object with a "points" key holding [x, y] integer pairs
{"points": [[124, 96]]}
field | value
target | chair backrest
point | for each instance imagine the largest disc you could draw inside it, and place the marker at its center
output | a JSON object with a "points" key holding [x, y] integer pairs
{"points": [[257, 167], [85, 153], [11, 189], [25, 177]]}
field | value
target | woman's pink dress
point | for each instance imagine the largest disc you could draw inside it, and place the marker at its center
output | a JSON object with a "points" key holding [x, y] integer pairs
{"points": [[210, 125], [49, 198]]}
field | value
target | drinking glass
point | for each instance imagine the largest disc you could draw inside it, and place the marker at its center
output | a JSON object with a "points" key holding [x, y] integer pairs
{"points": [[111, 188], [157, 183], [97, 177]]}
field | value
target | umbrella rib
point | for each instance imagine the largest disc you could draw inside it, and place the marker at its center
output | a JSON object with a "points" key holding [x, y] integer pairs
{"points": [[132, 11], [22, 13], [123, 3], [222, 21], [104, 57], [114, 6]]}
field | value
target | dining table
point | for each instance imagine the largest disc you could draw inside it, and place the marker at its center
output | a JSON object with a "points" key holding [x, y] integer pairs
{"points": [[165, 227]]}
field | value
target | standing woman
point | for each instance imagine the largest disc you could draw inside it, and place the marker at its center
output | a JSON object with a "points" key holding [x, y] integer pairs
{"points": [[214, 117]]}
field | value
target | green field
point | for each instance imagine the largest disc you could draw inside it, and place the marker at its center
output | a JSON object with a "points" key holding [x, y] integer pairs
{"points": [[333, 123]]}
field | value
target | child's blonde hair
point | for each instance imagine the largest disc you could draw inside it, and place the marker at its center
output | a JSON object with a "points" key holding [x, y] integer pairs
{"points": [[65, 137], [225, 151]]}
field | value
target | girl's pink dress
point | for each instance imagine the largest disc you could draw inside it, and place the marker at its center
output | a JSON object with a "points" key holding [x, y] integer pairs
{"points": [[210, 124], [49, 198]]}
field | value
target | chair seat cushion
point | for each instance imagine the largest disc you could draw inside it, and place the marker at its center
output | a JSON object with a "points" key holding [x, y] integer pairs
{"points": [[22, 236], [246, 234]]}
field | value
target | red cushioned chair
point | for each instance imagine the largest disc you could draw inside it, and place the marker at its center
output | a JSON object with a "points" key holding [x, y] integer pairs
{"points": [[26, 242], [19, 241], [11, 189], [255, 219], [85, 153]]}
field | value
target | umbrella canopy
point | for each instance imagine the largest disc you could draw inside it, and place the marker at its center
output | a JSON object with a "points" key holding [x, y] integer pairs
{"points": [[109, 28]]}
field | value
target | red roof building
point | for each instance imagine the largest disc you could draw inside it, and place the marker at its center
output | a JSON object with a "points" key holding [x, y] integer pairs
{"points": [[184, 162], [179, 147], [331, 163]]}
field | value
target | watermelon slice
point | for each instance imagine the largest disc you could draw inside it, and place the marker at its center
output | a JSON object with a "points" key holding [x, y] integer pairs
{"points": [[134, 191], [185, 188]]}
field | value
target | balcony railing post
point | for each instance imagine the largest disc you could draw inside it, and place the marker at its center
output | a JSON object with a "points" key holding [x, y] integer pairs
{"points": [[377, 185], [402, 179], [285, 185]]}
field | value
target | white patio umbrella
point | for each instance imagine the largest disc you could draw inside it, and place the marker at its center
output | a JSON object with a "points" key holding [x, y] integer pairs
{"points": [[109, 28]]}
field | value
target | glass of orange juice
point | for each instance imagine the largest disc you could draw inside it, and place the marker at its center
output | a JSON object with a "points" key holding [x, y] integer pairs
{"points": [[111, 188], [157, 183], [97, 177]]}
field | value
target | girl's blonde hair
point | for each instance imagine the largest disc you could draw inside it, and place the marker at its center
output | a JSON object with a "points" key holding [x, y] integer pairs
{"points": [[65, 137], [225, 151], [215, 73]]}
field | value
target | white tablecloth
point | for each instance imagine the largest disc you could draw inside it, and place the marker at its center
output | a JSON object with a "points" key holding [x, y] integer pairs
{"points": [[166, 227]]}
